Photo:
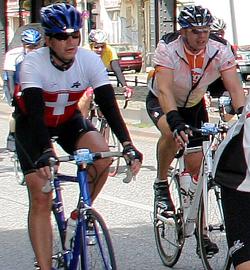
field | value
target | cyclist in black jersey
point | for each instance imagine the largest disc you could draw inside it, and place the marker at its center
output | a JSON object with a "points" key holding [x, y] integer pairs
{"points": [[53, 79]]}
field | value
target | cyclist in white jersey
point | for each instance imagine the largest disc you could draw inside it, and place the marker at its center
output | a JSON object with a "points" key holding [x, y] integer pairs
{"points": [[53, 79], [31, 39], [186, 62]]}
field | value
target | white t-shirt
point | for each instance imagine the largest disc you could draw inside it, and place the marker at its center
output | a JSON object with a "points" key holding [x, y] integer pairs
{"points": [[13, 57], [62, 89]]}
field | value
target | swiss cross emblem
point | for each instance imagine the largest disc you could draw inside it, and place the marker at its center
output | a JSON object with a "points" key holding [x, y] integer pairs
{"points": [[60, 104]]}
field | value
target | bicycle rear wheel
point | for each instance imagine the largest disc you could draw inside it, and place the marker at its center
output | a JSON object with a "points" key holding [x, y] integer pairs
{"points": [[17, 170], [58, 240], [214, 228], [99, 250], [169, 227]]}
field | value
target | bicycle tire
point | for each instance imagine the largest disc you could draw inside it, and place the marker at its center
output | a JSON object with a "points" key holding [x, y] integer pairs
{"points": [[100, 256], [114, 145], [215, 230], [18, 171], [169, 227]]}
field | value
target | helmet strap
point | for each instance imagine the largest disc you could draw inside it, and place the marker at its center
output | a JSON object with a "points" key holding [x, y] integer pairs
{"points": [[65, 64]]}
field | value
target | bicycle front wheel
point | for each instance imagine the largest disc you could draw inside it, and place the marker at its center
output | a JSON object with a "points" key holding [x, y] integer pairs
{"points": [[211, 224], [98, 248], [169, 227]]}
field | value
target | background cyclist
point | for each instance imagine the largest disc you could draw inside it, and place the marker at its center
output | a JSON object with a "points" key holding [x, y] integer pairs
{"points": [[98, 43], [175, 100], [53, 79], [31, 39]]}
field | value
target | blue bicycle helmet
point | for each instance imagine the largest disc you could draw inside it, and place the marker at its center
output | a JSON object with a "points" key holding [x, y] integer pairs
{"points": [[194, 16], [60, 18], [31, 36]]}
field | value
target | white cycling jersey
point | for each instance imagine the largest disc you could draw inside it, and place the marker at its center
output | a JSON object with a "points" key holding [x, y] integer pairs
{"points": [[13, 57], [172, 55], [62, 89]]}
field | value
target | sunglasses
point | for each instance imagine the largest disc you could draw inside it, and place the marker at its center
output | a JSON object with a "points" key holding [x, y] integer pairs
{"points": [[65, 36], [98, 47], [199, 31], [31, 46]]}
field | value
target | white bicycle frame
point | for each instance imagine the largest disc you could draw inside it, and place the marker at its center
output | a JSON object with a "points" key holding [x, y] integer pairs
{"points": [[191, 213]]}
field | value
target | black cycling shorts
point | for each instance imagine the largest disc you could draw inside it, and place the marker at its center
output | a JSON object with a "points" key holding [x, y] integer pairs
{"points": [[193, 116], [66, 135], [237, 220]]}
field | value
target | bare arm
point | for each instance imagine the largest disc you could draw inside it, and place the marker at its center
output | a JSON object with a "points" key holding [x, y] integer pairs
{"points": [[164, 78], [232, 84]]}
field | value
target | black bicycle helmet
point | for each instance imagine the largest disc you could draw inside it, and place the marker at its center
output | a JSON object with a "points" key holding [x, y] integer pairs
{"points": [[218, 24], [194, 16], [60, 18], [31, 36]]}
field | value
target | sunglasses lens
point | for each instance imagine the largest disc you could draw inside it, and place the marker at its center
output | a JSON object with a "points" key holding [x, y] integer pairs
{"points": [[200, 31], [65, 36]]}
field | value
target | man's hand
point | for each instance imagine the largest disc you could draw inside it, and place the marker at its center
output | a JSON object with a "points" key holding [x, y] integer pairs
{"points": [[133, 158], [178, 127], [43, 163], [128, 92]]}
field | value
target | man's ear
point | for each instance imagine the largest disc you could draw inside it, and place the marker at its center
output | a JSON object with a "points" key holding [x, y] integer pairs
{"points": [[182, 31], [47, 40]]}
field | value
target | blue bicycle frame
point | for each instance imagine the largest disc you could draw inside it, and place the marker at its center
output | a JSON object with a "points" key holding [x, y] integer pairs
{"points": [[82, 157]]}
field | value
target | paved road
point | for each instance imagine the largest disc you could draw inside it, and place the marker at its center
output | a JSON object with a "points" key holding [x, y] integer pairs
{"points": [[126, 208]]}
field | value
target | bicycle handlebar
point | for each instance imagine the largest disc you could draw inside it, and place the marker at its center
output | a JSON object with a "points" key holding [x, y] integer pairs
{"points": [[84, 156], [205, 130]]}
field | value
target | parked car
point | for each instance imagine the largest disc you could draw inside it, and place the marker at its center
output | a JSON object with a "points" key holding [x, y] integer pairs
{"points": [[129, 58], [243, 60]]}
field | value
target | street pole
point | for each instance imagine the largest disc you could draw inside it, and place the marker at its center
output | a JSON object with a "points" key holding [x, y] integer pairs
{"points": [[3, 33], [233, 20], [35, 10], [85, 23]]}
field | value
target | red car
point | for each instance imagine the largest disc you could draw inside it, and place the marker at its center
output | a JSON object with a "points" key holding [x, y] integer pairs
{"points": [[129, 58]]}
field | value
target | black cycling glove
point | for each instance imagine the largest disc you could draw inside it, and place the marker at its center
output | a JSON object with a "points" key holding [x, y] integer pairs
{"points": [[176, 122], [131, 153], [43, 160]]}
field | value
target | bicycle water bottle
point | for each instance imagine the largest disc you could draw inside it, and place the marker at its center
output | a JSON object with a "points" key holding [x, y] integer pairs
{"points": [[71, 229], [185, 180], [192, 188]]}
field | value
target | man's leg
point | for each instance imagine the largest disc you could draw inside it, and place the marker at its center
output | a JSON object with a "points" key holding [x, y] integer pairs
{"points": [[96, 143], [40, 231], [166, 150]]}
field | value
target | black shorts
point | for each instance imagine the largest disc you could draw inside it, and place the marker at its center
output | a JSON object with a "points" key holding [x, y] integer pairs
{"points": [[193, 116], [237, 220], [66, 136]]}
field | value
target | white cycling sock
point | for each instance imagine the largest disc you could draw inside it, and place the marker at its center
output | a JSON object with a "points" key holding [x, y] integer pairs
{"points": [[157, 180]]}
